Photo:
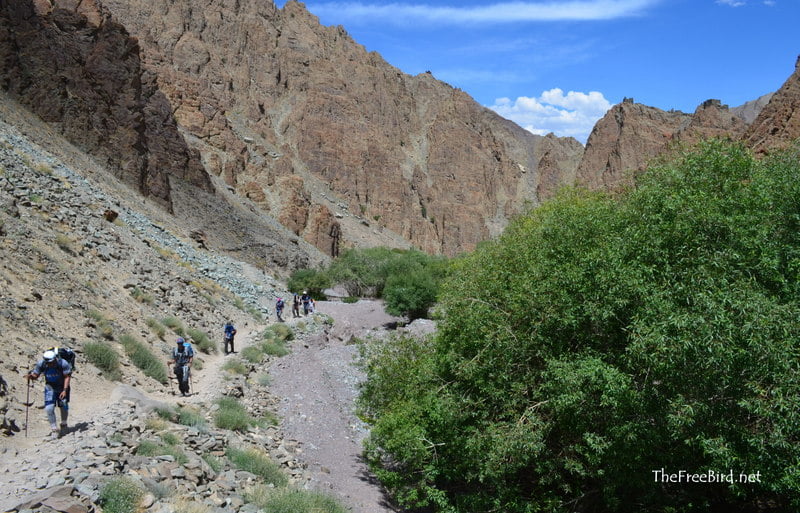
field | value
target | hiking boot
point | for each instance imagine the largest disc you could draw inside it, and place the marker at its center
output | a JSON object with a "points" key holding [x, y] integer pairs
{"points": [[64, 428], [54, 434]]}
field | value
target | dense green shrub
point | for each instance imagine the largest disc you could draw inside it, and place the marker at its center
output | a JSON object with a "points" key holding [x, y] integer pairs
{"points": [[601, 339], [310, 280], [104, 357]]}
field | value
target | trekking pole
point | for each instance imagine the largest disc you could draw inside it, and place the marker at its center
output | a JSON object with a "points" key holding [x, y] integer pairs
{"points": [[27, 404]]}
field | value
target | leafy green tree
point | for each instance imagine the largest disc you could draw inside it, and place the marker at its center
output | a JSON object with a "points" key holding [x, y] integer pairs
{"points": [[311, 280], [602, 339]]}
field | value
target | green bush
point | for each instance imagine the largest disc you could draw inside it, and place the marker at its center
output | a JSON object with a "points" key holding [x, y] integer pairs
{"points": [[201, 340], [275, 348], [191, 417], [104, 357], [235, 366], [257, 462], [174, 324], [149, 448], [602, 338], [252, 354], [158, 328], [411, 293], [143, 358], [121, 495], [291, 501], [279, 331], [232, 415], [309, 280]]}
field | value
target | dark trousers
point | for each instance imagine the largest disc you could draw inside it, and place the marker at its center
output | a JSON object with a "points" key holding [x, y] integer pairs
{"points": [[228, 340], [182, 372]]}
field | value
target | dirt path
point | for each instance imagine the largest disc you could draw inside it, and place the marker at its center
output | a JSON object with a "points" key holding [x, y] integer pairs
{"points": [[318, 384]]}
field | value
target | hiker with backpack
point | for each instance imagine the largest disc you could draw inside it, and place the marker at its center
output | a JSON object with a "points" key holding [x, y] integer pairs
{"points": [[296, 305], [279, 309], [57, 375], [230, 332], [306, 300], [182, 357]]}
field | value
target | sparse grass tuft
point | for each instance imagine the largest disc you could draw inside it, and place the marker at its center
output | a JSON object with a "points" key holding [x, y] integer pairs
{"points": [[233, 415], [291, 501], [121, 495], [257, 462], [201, 340], [174, 324], [105, 358], [191, 417], [235, 366], [141, 296], [65, 243], [158, 329], [142, 357], [264, 379], [214, 462], [252, 354]]}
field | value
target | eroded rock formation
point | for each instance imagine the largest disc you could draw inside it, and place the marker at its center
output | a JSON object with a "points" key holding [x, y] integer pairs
{"points": [[79, 70]]}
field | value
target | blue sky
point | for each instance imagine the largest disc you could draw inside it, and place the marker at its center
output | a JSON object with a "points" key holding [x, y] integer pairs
{"points": [[558, 65]]}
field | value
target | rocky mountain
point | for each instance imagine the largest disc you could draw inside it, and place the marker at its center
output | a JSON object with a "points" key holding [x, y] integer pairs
{"points": [[331, 140], [778, 123], [630, 135]]}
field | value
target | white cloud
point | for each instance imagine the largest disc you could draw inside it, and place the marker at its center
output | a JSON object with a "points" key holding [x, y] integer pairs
{"points": [[732, 3], [505, 12], [573, 114]]}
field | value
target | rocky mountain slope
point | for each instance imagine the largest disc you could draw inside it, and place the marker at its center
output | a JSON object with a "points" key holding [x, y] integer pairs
{"points": [[630, 135], [330, 139], [84, 259]]}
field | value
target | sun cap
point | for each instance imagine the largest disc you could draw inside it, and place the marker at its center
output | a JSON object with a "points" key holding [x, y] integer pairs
{"points": [[180, 340], [49, 355]]}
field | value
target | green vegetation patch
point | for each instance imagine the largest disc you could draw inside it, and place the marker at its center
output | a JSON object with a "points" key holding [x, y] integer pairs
{"points": [[105, 358], [201, 340], [144, 359], [232, 415], [603, 337], [121, 495], [284, 500], [259, 463]]}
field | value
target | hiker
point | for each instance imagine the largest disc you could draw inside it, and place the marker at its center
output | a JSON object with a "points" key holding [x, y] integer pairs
{"points": [[57, 375], [312, 307], [306, 300], [296, 305], [230, 332], [279, 309], [182, 357]]}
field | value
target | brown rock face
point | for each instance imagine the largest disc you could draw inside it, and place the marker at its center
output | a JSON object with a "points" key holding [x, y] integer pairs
{"points": [[778, 124], [269, 93], [630, 135], [711, 120], [79, 70], [623, 142]]}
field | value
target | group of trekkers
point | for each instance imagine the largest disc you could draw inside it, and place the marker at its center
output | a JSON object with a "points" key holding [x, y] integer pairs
{"points": [[57, 365], [309, 306]]}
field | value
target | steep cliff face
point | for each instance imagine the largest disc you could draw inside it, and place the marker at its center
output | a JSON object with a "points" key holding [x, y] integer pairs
{"points": [[778, 124], [79, 70], [623, 142], [630, 135], [269, 93]]}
